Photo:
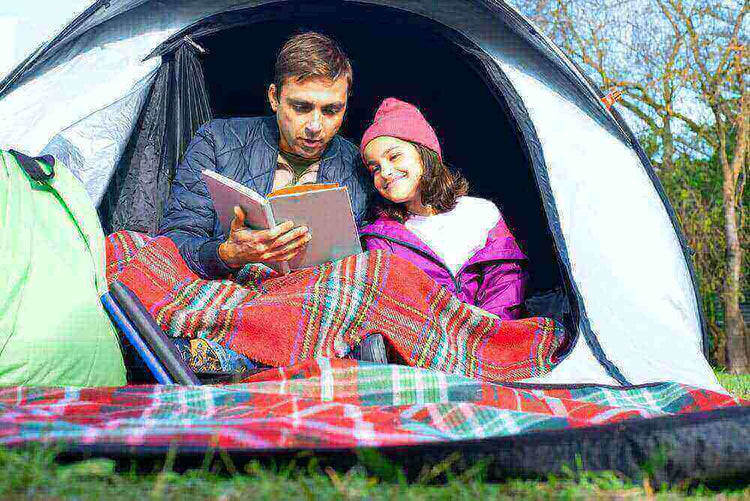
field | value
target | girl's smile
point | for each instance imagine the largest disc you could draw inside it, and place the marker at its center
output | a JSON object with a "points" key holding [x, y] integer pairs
{"points": [[394, 179]]}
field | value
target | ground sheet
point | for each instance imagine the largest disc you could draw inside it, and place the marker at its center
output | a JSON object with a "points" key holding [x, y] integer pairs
{"points": [[327, 403], [327, 310]]}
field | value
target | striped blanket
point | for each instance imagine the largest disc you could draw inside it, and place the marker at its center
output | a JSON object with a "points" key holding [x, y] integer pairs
{"points": [[326, 311], [327, 403]]}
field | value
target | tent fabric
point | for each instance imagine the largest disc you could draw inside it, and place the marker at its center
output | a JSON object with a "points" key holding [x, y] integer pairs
{"points": [[99, 140], [53, 330], [595, 361], [191, 108], [667, 205], [175, 108], [616, 230], [141, 181], [644, 317], [335, 405]]}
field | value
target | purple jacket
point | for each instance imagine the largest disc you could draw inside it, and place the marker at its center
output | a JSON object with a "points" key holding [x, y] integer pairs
{"points": [[492, 279]]}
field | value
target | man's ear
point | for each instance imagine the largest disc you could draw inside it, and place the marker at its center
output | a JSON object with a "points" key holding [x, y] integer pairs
{"points": [[273, 98]]}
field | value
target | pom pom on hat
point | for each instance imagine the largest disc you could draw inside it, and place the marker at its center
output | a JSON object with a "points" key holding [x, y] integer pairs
{"points": [[402, 120]]}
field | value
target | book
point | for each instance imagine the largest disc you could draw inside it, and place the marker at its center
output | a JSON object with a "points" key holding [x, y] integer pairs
{"points": [[324, 208]]}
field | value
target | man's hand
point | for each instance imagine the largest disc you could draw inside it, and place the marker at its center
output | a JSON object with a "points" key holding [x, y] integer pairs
{"points": [[244, 245]]}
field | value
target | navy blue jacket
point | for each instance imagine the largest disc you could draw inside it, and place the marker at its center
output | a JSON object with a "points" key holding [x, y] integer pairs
{"points": [[245, 150]]}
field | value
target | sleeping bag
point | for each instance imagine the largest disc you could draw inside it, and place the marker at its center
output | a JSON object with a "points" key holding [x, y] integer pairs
{"points": [[53, 330]]}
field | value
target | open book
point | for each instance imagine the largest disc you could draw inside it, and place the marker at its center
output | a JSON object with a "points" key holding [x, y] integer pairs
{"points": [[324, 208]]}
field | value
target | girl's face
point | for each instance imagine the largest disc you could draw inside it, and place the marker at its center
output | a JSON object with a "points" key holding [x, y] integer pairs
{"points": [[396, 169]]}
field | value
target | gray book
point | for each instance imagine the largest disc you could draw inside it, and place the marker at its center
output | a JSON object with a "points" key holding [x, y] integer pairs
{"points": [[324, 208]]}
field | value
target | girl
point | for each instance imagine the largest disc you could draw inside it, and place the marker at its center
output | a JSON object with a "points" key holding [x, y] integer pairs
{"points": [[461, 242]]}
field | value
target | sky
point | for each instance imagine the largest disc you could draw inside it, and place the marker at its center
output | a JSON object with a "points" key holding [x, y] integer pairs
{"points": [[26, 24]]}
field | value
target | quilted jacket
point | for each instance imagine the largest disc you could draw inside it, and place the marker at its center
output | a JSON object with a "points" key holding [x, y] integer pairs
{"points": [[493, 279], [245, 150]]}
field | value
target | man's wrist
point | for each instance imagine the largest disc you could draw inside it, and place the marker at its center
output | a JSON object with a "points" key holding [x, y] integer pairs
{"points": [[211, 264], [226, 255]]}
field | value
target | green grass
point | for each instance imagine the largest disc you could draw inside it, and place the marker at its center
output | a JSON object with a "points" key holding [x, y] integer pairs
{"points": [[39, 473], [35, 473], [736, 384]]}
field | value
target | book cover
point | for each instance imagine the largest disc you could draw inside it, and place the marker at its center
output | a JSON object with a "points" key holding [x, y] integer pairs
{"points": [[324, 208]]}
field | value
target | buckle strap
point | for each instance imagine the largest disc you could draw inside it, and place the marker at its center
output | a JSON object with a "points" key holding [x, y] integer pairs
{"points": [[32, 167]]}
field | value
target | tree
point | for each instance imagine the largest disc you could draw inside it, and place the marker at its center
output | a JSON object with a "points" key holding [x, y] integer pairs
{"points": [[683, 69], [615, 41], [718, 71]]}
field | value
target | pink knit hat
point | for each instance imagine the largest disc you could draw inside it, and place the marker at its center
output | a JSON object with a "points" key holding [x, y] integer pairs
{"points": [[396, 118]]}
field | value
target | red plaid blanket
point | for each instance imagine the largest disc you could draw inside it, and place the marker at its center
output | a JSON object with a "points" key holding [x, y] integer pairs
{"points": [[325, 311], [328, 404]]}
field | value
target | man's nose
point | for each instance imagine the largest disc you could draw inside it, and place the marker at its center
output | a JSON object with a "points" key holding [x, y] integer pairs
{"points": [[314, 125]]}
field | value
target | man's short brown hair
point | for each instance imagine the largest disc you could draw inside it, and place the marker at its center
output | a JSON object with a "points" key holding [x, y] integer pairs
{"points": [[311, 54]]}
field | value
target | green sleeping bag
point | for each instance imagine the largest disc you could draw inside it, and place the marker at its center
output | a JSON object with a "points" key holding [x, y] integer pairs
{"points": [[53, 329]]}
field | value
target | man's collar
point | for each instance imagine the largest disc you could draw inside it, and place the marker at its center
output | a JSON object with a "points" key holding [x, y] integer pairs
{"points": [[270, 132]]}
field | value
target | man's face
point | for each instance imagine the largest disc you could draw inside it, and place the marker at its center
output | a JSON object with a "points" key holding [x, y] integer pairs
{"points": [[309, 113]]}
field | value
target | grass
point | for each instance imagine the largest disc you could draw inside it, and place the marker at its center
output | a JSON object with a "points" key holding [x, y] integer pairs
{"points": [[736, 384], [39, 473], [35, 473]]}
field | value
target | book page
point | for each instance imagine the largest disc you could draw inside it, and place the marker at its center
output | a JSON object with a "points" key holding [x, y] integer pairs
{"points": [[328, 214]]}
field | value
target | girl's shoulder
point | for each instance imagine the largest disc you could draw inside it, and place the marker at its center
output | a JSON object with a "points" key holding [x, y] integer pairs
{"points": [[488, 217], [478, 209]]}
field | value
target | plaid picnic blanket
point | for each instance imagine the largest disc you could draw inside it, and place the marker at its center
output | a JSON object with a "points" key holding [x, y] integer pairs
{"points": [[327, 310], [327, 403]]}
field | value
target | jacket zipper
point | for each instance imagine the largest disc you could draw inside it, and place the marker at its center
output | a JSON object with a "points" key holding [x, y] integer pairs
{"points": [[413, 247]]}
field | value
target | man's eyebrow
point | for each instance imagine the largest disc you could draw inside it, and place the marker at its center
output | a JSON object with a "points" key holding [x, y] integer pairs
{"points": [[298, 102], [337, 105]]}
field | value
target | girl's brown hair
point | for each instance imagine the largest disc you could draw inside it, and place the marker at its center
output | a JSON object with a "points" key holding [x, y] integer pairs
{"points": [[440, 187]]}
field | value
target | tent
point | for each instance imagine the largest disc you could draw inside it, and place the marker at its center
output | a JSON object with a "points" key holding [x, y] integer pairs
{"points": [[117, 94]]}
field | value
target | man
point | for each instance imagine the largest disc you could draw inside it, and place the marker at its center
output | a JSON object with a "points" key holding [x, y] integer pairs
{"points": [[298, 145]]}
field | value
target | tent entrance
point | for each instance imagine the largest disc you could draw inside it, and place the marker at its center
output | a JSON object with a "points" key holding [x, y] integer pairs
{"points": [[393, 53]]}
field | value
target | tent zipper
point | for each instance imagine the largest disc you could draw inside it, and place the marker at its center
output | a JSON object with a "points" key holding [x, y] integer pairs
{"points": [[413, 247]]}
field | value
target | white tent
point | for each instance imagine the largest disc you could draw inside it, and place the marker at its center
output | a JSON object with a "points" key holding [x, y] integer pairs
{"points": [[516, 115]]}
